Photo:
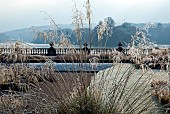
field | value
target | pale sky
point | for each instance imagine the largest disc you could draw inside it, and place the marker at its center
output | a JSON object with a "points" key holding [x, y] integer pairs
{"points": [[15, 14]]}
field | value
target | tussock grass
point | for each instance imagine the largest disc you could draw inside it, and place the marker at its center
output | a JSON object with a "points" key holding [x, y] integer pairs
{"points": [[116, 93], [116, 90]]}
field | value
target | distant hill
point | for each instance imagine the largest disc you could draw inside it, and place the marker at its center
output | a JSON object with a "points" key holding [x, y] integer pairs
{"points": [[20, 34], [3, 37], [161, 34], [26, 34], [123, 33]]}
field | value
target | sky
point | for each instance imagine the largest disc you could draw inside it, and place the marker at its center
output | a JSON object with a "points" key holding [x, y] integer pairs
{"points": [[16, 14]]}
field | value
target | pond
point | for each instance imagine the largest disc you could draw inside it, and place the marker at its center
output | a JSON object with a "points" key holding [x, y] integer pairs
{"points": [[73, 67]]}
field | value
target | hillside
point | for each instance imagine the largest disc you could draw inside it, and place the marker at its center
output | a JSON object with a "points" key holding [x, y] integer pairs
{"points": [[160, 34]]}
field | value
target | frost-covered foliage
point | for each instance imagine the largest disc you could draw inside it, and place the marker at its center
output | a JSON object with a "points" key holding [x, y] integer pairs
{"points": [[140, 38], [139, 42], [78, 20], [104, 28], [100, 30], [78, 23], [64, 41]]}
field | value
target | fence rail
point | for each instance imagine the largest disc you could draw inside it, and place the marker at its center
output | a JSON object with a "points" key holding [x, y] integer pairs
{"points": [[62, 51]]}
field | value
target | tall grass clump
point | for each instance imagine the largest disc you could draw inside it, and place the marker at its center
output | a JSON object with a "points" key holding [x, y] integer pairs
{"points": [[119, 89], [116, 90]]}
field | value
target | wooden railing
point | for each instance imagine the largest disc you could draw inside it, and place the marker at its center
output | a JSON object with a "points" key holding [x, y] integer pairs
{"points": [[62, 51]]}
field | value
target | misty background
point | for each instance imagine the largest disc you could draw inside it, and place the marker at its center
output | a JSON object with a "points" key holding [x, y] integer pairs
{"points": [[19, 16]]}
